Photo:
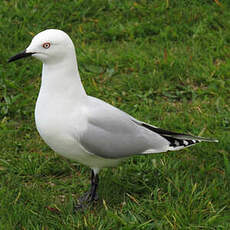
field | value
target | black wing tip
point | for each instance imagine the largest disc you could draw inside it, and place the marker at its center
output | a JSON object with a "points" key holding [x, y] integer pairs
{"points": [[178, 139]]}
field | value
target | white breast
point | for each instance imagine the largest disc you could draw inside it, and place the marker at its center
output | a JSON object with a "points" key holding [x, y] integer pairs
{"points": [[58, 125]]}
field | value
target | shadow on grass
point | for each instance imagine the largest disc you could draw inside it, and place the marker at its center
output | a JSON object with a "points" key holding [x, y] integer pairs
{"points": [[127, 182]]}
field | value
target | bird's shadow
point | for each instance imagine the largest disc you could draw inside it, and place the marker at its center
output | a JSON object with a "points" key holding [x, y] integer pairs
{"points": [[135, 179], [128, 181]]}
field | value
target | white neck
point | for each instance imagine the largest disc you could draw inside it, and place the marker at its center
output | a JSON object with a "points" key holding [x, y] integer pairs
{"points": [[62, 80]]}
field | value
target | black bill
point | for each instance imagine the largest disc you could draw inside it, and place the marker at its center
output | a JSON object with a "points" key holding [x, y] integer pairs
{"points": [[20, 55]]}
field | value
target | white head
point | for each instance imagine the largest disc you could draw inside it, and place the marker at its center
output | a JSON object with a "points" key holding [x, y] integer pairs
{"points": [[49, 46]]}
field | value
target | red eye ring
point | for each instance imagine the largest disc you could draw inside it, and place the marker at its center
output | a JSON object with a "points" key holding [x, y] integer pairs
{"points": [[46, 45]]}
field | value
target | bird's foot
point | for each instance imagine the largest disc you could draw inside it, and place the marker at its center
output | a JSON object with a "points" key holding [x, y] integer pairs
{"points": [[86, 200], [91, 196]]}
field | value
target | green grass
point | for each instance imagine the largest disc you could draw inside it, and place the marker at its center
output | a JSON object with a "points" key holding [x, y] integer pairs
{"points": [[164, 62]]}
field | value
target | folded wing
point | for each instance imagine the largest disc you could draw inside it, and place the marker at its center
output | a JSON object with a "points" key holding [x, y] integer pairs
{"points": [[112, 133]]}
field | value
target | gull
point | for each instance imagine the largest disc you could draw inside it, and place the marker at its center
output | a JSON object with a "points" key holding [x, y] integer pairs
{"points": [[84, 128]]}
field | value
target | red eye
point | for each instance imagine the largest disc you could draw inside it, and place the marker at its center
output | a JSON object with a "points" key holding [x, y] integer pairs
{"points": [[46, 45]]}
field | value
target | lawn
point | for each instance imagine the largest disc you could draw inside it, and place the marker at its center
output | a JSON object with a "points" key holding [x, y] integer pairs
{"points": [[164, 62]]}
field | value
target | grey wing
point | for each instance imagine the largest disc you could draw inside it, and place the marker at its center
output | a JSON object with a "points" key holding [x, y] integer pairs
{"points": [[112, 133]]}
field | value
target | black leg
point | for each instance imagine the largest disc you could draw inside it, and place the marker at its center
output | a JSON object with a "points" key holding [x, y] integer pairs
{"points": [[94, 185], [90, 196]]}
